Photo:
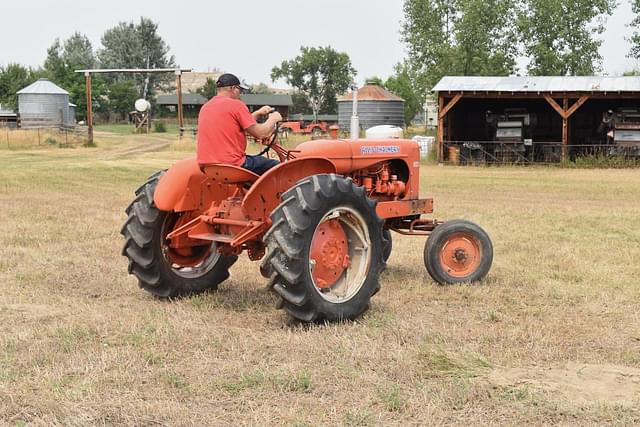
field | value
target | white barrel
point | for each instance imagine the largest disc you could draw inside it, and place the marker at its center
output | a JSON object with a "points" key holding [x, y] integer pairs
{"points": [[142, 105], [384, 132]]}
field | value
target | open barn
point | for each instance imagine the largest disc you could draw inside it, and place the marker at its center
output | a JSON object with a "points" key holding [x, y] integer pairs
{"points": [[537, 119]]}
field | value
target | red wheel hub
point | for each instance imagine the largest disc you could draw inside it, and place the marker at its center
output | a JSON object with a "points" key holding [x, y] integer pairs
{"points": [[460, 255], [329, 253]]}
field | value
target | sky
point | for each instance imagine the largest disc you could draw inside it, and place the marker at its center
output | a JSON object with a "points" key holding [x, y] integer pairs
{"points": [[247, 37]]}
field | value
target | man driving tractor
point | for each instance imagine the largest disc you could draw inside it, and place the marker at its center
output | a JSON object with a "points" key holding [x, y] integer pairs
{"points": [[222, 124]]}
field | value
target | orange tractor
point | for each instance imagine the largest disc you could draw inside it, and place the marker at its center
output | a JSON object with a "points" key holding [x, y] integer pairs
{"points": [[320, 221]]}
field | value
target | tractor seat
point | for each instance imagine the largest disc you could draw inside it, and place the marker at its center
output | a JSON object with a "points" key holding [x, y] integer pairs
{"points": [[228, 174]]}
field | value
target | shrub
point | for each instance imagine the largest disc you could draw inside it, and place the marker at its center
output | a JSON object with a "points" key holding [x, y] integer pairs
{"points": [[159, 127]]}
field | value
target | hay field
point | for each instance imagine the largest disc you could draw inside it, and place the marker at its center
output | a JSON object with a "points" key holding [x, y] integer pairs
{"points": [[552, 335]]}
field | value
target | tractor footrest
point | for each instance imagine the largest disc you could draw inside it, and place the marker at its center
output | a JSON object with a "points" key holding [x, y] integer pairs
{"points": [[222, 238]]}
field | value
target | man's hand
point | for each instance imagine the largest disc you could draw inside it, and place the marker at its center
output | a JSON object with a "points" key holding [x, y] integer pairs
{"points": [[263, 111], [275, 117]]}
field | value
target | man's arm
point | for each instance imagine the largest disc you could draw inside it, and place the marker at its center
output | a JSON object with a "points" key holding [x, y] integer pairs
{"points": [[263, 130]]}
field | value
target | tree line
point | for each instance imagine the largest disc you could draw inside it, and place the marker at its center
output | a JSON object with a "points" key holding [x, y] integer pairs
{"points": [[127, 45], [442, 37], [487, 37]]}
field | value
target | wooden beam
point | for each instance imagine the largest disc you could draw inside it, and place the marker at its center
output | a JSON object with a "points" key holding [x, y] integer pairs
{"points": [[555, 105], [577, 105], [179, 88], [565, 129], [87, 80], [440, 129], [443, 112]]}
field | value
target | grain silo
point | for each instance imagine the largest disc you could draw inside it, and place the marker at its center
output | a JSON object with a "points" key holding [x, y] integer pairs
{"points": [[376, 106], [43, 104]]}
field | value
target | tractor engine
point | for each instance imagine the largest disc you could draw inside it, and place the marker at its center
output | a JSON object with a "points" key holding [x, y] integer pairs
{"points": [[379, 180], [387, 168]]}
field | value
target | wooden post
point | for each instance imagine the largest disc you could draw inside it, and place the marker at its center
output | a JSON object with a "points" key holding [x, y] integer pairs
{"points": [[442, 112], [440, 129], [179, 89], [565, 128], [87, 77]]}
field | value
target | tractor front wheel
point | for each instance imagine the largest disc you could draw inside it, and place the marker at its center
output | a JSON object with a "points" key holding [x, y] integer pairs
{"points": [[162, 270], [458, 251], [324, 249]]}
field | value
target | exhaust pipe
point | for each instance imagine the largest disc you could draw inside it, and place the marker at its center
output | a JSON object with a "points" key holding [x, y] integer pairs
{"points": [[355, 121]]}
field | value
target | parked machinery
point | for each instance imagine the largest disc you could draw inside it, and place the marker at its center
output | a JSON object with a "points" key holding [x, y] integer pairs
{"points": [[622, 130], [304, 128], [510, 133]]}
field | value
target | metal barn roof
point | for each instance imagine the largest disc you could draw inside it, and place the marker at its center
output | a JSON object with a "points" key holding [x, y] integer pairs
{"points": [[538, 84], [266, 99], [43, 86], [187, 99]]}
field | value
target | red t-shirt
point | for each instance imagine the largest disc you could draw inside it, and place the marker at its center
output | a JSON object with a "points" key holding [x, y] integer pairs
{"points": [[221, 125]]}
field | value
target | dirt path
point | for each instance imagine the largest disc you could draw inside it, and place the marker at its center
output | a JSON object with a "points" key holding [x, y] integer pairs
{"points": [[577, 382], [147, 145]]}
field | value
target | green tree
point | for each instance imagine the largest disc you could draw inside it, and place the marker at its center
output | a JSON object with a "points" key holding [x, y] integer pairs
{"points": [[261, 88], [559, 36], [375, 80], [301, 104], [63, 59], [13, 77], [459, 37], [209, 89], [320, 73], [485, 37], [122, 97], [403, 84], [130, 45], [635, 24]]}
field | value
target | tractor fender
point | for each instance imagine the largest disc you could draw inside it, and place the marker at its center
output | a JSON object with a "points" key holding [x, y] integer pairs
{"points": [[184, 187], [264, 195]]}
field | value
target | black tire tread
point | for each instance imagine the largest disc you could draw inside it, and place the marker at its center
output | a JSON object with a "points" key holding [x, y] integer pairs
{"points": [[141, 232], [292, 223], [433, 246]]}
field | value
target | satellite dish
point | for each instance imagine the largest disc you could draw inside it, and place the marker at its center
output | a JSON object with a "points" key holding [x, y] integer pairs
{"points": [[142, 105]]}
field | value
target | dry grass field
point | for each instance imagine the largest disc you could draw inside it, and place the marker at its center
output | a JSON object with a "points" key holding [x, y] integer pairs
{"points": [[551, 337]]}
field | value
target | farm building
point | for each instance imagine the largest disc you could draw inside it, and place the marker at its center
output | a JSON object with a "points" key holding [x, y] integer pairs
{"points": [[537, 119], [8, 118], [43, 104], [192, 102], [376, 106], [281, 103]]}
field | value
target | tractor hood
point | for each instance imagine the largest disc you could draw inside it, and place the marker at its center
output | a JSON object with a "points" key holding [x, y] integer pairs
{"points": [[353, 154]]}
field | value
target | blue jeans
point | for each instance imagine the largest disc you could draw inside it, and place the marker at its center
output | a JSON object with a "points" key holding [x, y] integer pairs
{"points": [[259, 164]]}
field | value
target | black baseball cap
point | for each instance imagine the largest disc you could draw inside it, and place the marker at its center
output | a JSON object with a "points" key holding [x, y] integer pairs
{"points": [[228, 79]]}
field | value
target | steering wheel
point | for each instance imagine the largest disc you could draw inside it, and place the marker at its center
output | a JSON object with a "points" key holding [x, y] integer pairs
{"points": [[274, 136]]}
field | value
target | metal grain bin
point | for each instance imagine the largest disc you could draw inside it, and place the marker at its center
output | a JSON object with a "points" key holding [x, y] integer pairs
{"points": [[376, 106], [43, 104]]}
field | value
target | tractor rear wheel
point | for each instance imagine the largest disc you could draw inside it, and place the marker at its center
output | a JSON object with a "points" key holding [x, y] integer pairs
{"points": [[387, 244], [458, 251], [161, 270], [324, 249]]}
